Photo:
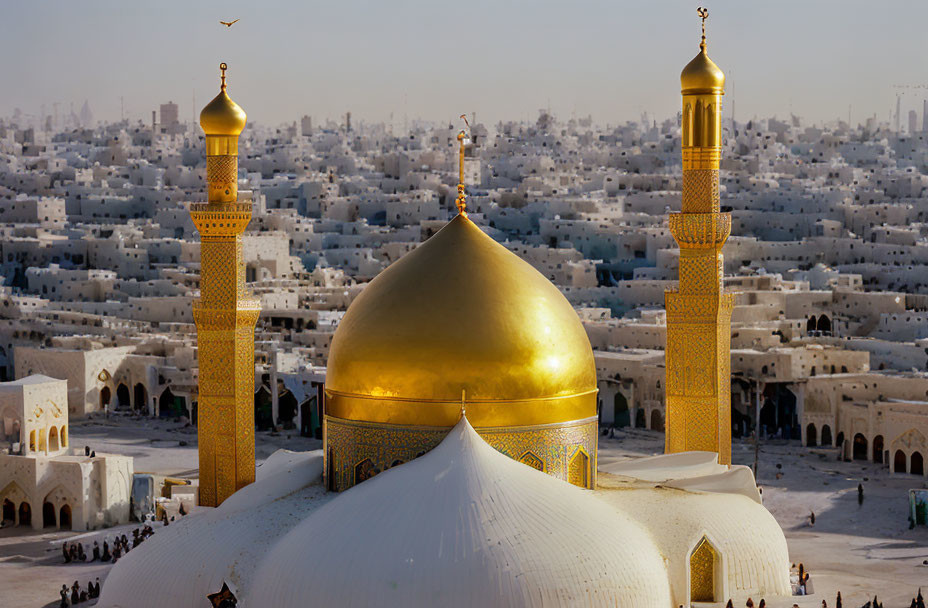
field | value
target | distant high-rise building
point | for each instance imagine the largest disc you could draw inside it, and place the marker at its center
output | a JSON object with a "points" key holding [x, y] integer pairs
{"points": [[306, 126], [925, 115], [169, 114], [86, 116], [913, 121]]}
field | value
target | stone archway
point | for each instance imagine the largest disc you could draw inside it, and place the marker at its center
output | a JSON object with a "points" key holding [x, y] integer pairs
{"points": [[620, 414], [49, 520], [64, 517], [704, 571], [122, 397], [9, 510], [105, 397], [878, 449], [811, 437], [286, 409], [860, 451], [826, 436], [917, 464], [140, 395], [25, 514], [899, 462], [657, 420], [824, 324]]}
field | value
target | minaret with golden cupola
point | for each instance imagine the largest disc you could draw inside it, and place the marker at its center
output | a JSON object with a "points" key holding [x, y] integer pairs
{"points": [[698, 355], [225, 314]]}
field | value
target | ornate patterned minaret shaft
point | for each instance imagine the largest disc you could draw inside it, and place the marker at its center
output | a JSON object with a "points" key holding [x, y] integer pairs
{"points": [[699, 311], [225, 314]]}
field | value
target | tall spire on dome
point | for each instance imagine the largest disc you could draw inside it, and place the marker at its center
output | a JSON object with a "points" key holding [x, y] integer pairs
{"points": [[463, 140], [697, 357]]}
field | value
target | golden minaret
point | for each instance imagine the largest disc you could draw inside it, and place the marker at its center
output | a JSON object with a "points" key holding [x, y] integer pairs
{"points": [[699, 311], [225, 314]]}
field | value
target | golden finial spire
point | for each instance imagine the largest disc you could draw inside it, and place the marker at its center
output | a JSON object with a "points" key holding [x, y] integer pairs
{"points": [[463, 402], [222, 75], [461, 201], [703, 14]]}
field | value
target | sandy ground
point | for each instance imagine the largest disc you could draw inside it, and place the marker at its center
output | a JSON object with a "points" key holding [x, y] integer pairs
{"points": [[860, 550]]}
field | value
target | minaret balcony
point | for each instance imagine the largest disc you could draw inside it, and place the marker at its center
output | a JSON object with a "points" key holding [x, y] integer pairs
{"points": [[700, 230]]}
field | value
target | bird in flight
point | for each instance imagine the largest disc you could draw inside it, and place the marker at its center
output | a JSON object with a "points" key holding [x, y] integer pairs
{"points": [[229, 23]]}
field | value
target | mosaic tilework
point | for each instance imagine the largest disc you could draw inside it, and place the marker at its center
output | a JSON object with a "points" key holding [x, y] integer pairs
{"points": [[697, 357], [222, 178], [701, 191], [702, 572], [349, 445]]}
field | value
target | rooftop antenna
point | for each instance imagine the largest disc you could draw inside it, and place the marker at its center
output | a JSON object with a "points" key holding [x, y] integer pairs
{"points": [[461, 201]]}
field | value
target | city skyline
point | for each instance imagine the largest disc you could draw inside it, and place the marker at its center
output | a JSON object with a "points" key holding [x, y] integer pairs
{"points": [[414, 59]]}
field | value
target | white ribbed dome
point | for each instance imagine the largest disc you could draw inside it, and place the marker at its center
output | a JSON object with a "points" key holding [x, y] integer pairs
{"points": [[463, 526]]}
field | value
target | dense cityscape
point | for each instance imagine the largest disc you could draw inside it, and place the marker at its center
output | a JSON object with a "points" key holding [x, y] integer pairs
{"points": [[100, 266]]}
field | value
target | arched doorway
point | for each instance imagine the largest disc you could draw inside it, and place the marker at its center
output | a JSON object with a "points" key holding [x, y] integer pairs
{"points": [[48, 515], [860, 447], [141, 397], [263, 410], [657, 421], [917, 467], [878, 449], [899, 462], [53, 439], [620, 413], [703, 567], [122, 396], [64, 517], [824, 324], [810, 324], [826, 436], [170, 405], [286, 409], [105, 397], [811, 438], [839, 442], [578, 469], [25, 514], [9, 510], [640, 421]]}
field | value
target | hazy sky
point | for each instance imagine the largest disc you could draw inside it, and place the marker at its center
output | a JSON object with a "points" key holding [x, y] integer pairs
{"points": [[436, 59]]}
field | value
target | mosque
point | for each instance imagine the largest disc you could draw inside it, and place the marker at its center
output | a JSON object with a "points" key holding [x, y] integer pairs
{"points": [[459, 465]]}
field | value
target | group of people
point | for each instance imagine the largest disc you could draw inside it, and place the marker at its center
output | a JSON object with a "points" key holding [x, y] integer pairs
{"points": [[75, 552], [76, 595]]}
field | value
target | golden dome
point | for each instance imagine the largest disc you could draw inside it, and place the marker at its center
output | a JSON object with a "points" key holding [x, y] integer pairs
{"points": [[222, 116], [461, 314], [702, 77]]}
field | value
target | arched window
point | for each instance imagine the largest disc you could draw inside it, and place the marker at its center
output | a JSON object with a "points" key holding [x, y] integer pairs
{"points": [[704, 572], [578, 469], [533, 461]]}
